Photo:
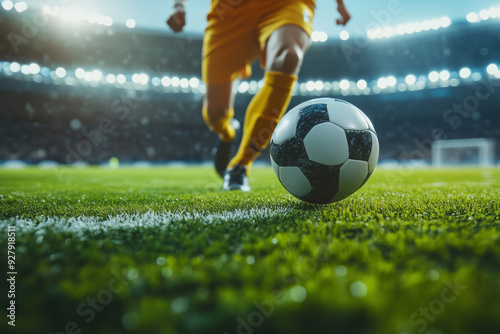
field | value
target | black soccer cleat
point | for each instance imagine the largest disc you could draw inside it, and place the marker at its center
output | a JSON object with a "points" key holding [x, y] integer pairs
{"points": [[222, 153], [236, 179]]}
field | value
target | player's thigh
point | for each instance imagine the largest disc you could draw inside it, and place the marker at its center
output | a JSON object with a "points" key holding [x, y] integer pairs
{"points": [[219, 98], [285, 49]]}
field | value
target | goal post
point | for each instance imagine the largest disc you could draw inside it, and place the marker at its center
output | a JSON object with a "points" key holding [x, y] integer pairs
{"points": [[463, 152]]}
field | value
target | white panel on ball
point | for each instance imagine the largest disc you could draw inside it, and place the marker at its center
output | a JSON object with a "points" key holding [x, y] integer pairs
{"points": [[286, 127], [321, 100], [370, 124], [372, 161], [276, 168], [326, 144], [294, 181], [352, 175], [347, 116]]}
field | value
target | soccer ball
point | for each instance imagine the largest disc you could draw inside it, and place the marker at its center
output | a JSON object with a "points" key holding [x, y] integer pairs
{"points": [[323, 150]]}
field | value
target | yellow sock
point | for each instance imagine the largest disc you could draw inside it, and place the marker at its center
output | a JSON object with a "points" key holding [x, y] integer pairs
{"points": [[262, 116], [221, 126]]}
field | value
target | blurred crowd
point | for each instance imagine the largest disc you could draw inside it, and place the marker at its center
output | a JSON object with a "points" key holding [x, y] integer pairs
{"points": [[45, 121]]}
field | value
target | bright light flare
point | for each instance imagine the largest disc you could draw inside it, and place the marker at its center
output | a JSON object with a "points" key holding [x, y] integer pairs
{"points": [[344, 35], [130, 23], [21, 6], [7, 5], [465, 73], [410, 79]]}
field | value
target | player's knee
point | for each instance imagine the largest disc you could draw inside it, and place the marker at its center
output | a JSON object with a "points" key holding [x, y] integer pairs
{"points": [[212, 112], [287, 60]]}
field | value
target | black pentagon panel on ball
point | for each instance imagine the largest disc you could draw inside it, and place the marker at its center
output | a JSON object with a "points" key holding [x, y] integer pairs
{"points": [[311, 116], [324, 181], [360, 144], [289, 153]]}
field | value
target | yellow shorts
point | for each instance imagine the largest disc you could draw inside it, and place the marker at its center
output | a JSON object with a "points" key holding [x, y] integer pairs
{"points": [[238, 31]]}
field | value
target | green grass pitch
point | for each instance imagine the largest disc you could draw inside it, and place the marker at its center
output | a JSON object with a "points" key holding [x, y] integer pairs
{"points": [[164, 250]]}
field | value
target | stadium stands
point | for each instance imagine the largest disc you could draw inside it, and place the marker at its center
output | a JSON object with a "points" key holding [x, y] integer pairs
{"points": [[94, 91]]}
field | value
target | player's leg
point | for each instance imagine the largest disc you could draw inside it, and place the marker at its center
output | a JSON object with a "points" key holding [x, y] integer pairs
{"points": [[229, 47], [285, 50], [218, 113], [218, 110]]}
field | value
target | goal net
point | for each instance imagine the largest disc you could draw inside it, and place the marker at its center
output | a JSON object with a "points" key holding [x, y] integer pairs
{"points": [[463, 152]]}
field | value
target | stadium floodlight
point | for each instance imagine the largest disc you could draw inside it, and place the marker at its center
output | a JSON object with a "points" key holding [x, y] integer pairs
{"points": [[34, 68], [472, 17], [484, 14], [373, 33], [91, 18], [476, 76], [318, 85], [492, 69], [184, 83], [302, 88], [15, 67], [110, 78], [435, 24], [426, 25], [25, 69], [60, 72], [445, 22], [310, 86], [107, 21], [175, 81], [88, 76], [319, 36], [344, 84], [362, 84], [400, 29], [21, 6], [130, 23], [165, 81], [444, 75], [140, 78], [454, 82], [194, 82], [409, 28], [96, 75], [434, 76], [121, 79], [327, 86], [410, 79], [323, 36], [382, 83], [391, 81], [80, 73], [389, 32], [253, 86], [243, 87], [465, 73], [420, 85], [155, 81], [493, 12], [344, 35], [7, 5]]}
